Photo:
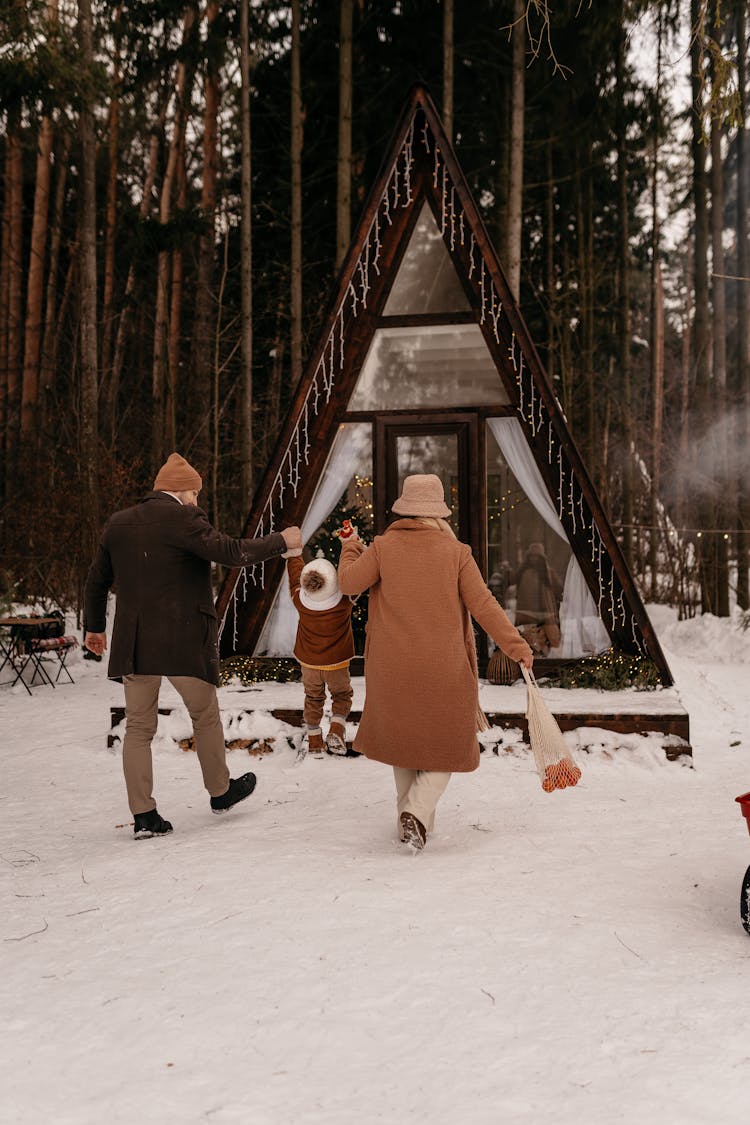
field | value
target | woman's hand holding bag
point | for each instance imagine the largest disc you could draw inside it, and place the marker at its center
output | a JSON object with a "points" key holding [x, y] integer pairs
{"points": [[556, 768]]}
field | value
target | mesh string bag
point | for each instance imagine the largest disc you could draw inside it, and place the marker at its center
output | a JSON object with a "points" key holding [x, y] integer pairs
{"points": [[554, 763]]}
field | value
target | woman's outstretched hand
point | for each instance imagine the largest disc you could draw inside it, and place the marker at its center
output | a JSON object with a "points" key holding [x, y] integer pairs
{"points": [[528, 661]]}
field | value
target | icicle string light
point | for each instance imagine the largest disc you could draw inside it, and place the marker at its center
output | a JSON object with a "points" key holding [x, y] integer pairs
{"points": [[408, 162]]}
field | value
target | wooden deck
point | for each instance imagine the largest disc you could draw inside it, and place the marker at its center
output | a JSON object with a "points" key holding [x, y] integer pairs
{"points": [[625, 712]]}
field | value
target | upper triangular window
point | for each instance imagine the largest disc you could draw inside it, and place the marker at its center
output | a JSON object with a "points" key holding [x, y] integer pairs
{"points": [[426, 281]]}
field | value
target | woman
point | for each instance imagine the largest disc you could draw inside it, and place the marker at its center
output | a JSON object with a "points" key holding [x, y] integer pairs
{"points": [[420, 713], [538, 595]]}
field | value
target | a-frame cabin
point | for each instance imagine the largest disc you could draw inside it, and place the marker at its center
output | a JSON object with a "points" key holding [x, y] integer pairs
{"points": [[424, 364]]}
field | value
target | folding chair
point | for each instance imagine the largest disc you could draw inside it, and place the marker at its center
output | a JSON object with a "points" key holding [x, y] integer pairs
{"points": [[34, 658], [59, 647]]}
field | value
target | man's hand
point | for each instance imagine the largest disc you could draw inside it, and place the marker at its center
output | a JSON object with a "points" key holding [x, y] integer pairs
{"points": [[292, 537], [293, 540], [528, 661], [95, 642]]}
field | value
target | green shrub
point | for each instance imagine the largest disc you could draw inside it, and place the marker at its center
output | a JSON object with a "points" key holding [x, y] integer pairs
{"points": [[259, 669], [610, 671]]}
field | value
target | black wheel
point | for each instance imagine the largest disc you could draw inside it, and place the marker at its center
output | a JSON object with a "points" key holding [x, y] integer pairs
{"points": [[745, 901]]}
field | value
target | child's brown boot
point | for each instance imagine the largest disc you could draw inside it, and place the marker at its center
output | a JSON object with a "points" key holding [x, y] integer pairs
{"points": [[336, 741], [315, 743]]}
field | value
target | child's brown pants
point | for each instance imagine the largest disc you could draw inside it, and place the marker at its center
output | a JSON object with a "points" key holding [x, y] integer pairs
{"points": [[314, 681]]}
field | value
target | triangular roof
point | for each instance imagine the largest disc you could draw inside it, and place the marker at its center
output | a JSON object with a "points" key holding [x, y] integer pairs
{"points": [[422, 166]]}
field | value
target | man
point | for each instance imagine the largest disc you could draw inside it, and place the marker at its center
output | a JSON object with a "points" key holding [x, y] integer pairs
{"points": [[157, 556]]}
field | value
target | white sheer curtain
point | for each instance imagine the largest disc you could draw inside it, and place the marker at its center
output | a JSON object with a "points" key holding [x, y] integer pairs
{"points": [[582, 632], [351, 453]]}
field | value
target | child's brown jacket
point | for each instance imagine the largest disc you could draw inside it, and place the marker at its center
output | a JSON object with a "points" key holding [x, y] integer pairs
{"points": [[324, 637]]}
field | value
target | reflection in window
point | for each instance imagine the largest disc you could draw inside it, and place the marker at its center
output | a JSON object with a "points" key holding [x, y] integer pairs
{"points": [[431, 453], [513, 526], [439, 365], [531, 569], [427, 281]]}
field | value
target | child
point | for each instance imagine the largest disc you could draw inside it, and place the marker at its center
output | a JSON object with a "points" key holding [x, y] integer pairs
{"points": [[324, 646]]}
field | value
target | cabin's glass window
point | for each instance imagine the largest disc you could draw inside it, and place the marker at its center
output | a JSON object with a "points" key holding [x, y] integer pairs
{"points": [[440, 365], [531, 569], [426, 281]]}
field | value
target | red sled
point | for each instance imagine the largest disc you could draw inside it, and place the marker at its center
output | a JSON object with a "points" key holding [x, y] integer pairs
{"points": [[744, 803]]}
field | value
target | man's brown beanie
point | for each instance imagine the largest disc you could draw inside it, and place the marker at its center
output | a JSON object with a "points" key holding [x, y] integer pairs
{"points": [[176, 475]]}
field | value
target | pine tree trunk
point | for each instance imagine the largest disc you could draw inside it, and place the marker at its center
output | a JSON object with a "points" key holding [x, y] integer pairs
{"points": [[35, 287], [161, 400], [88, 427], [4, 281], [623, 297], [657, 385], [549, 272], [721, 428], [177, 289], [683, 446], [124, 326], [273, 406], [216, 406], [49, 340], [344, 179], [515, 176], [656, 343], [110, 222], [296, 214], [14, 335], [246, 251], [205, 309], [590, 328], [586, 309], [448, 68], [703, 506], [742, 436]]}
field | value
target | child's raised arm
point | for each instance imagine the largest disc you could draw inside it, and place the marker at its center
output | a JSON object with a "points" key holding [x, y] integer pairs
{"points": [[294, 567]]}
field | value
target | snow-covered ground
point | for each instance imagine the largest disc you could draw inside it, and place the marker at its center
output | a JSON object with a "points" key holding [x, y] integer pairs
{"points": [[570, 958]]}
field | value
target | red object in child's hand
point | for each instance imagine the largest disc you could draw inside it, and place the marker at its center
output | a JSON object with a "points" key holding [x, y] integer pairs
{"points": [[347, 530]]}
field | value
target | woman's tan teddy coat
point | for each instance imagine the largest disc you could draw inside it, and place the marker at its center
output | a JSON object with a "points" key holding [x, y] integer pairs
{"points": [[420, 663]]}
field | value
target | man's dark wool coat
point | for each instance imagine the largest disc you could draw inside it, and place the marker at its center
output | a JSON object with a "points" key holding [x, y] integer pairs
{"points": [[157, 557]]}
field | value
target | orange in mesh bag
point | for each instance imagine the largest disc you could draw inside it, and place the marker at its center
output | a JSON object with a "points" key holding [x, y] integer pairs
{"points": [[556, 768]]}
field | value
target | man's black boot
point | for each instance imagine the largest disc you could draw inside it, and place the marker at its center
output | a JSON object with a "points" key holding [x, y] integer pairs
{"points": [[239, 788], [150, 824]]}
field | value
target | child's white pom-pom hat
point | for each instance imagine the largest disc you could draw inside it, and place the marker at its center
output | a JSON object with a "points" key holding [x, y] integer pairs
{"points": [[319, 585]]}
